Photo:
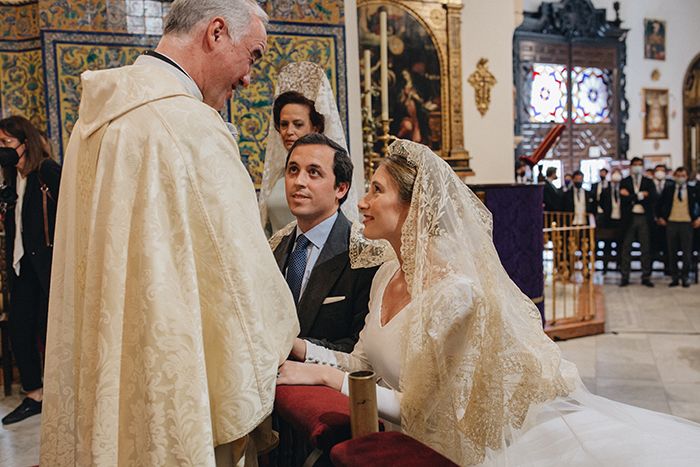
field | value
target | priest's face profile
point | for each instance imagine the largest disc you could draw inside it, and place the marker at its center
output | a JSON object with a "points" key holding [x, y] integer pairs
{"points": [[382, 209], [295, 122], [230, 62], [310, 185]]}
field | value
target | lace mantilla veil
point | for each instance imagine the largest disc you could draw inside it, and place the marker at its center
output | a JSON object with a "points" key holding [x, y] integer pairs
{"points": [[310, 80], [475, 357]]}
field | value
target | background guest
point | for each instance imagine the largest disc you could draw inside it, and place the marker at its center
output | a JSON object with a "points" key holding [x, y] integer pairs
{"points": [[638, 198], [578, 200], [552, 194], [521, 173], [609, 226], [678, 211], [34, 177], [304, 103]]}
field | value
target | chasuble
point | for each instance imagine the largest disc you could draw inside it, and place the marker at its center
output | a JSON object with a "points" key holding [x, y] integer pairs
{"points": [[168, 315]]}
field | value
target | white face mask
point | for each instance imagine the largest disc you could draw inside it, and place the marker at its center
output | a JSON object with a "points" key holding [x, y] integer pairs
{"points": [[681, 180], [660, 175], [616, 177], [636, 169]]}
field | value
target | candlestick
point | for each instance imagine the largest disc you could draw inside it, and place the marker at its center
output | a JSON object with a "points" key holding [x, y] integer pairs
{"points": [[368, 82], [384, 61]]}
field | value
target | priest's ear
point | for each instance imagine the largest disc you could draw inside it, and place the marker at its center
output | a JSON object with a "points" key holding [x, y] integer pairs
{"points": [[216, 32]]}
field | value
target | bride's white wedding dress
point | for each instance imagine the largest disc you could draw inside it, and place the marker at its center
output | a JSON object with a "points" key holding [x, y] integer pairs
{"points": [[580, 429], [466, 368]]}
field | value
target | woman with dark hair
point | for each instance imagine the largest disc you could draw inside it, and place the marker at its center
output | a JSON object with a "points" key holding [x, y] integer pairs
{"points": [[33, 176], [304, 103]]}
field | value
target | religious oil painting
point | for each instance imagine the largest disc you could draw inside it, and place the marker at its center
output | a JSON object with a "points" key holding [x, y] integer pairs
{"points": [[415, 106], [655, 113], [654, 39]]}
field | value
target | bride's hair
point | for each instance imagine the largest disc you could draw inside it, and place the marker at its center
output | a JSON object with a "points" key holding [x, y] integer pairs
{"points": [[403, 173]]}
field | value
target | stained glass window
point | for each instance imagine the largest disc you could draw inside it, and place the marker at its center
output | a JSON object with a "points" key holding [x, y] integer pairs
{"points": [[590, 95], [549, 94]]}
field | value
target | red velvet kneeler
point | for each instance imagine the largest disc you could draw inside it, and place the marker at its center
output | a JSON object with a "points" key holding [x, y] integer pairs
{"points": [[319, 413], [389, 448]]}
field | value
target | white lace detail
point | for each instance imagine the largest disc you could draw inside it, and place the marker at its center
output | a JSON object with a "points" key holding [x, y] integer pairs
{"points": [[310, 80], [474, 357], [363, 253]]}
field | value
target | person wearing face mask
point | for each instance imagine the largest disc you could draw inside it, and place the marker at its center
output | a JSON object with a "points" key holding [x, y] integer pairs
{"points": [[638, 200], [609, 227], [678, 211], [578, 200], [34, 178], [304, 103], [521, 175], [597, 190], [657, 231], [567, 182]]}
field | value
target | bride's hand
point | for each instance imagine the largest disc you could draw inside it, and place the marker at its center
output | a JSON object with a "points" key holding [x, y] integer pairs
{"points": [[298, 350], [311, 375]]}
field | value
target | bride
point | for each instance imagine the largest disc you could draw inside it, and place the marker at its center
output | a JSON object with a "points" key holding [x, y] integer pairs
{"points": [[461, 360]]}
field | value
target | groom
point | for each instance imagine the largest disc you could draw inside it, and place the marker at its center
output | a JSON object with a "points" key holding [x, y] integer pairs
{"points": [[332, 299]]}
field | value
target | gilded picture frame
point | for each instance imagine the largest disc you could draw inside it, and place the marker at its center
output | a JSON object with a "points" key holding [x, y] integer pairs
{"points": [[425, 72], [655, 105], [654, 39]]}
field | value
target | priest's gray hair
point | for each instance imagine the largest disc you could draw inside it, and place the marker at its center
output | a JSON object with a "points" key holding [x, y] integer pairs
{"points": [[184, 15]]}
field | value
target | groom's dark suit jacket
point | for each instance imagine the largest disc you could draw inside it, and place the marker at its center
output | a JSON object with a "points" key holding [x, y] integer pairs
{"points": [[337, 323]]}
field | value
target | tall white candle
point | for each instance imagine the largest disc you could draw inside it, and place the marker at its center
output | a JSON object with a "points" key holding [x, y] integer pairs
{"points": [[368, 82], [384, 60]]}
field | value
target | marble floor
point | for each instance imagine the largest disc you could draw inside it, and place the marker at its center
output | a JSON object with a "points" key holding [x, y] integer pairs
{"points": [[649, 357]]}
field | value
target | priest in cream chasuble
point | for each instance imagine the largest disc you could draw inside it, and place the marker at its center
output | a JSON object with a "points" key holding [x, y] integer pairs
{"points": [[168, 314]]}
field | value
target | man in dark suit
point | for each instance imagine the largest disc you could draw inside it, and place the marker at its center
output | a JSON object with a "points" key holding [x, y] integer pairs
{"points": [[597, 192], [657, 233], [552, 194], [609, 224], [677, 210], [332, 298], [638, 199], [578, 200]]}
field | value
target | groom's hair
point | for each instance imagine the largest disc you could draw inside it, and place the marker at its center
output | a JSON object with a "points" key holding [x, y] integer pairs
{"points": [[342, 165]]}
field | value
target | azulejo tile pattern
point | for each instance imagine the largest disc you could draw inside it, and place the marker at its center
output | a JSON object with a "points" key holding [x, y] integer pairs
{"points": [[19, 22], [67, 55], [305, 11], [83, 15], [49, 43], [21, 85], [73, 59]]}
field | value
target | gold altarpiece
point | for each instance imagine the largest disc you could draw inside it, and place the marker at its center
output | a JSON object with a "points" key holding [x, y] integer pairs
{"points": [[439, 21]]}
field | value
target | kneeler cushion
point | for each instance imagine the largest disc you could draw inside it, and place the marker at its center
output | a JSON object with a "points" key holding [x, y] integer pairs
{"points": [[318, 412], [390, 448]]}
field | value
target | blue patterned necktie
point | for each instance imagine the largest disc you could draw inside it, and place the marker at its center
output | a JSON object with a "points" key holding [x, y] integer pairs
{"points": [[297, 266]]}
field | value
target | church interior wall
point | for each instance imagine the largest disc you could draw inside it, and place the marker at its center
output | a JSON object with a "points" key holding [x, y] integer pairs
{"points": [[682, 45], [46, 45], [486, 31]]}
